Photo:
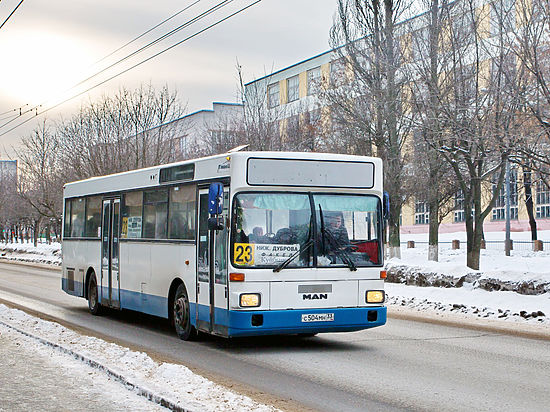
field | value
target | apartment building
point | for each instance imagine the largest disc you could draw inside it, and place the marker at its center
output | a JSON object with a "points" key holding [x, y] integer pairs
{"points": [[292, 95], [8, 169]]}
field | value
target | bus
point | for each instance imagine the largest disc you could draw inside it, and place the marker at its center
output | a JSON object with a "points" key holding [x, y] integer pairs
{"points": [[237, 244]]}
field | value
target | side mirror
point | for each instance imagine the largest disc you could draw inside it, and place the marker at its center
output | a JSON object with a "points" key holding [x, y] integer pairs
{"points": [[386, 202], [215, 199], [216, 223]]}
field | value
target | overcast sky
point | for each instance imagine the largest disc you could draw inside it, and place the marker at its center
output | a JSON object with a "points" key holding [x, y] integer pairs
{"points": [[48, 46]]}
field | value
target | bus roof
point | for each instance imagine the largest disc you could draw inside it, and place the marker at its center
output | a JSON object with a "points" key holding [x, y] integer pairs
{"points": [[205, 168]]}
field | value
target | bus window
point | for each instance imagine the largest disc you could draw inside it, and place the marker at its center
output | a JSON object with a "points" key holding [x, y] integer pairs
{"points": [[272, 225], [155, 213], [67, 226], [131, 215], [93, 216], [350, 227], [182, 212], [77, 217]]}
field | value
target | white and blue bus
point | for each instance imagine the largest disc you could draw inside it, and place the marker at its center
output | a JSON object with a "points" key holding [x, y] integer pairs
{"points": [[239, 244]]}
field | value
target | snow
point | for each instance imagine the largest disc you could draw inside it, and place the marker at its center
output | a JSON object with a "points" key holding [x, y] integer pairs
{"points": [[27, 252], [490, 292], [133, 371]]}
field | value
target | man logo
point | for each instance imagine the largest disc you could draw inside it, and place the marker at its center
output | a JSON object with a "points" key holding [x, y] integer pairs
{"points": [[313, 296]]}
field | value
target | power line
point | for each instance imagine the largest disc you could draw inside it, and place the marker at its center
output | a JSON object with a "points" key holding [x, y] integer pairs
{"points": [[135, 65], [99, 61], [9, 117], [170, 33], [148, 31], [16, 109], [158, 39], [16, 7]]}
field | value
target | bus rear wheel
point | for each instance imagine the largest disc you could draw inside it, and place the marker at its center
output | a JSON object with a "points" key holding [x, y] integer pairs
{"points": [[93, 297], [181, 315]]}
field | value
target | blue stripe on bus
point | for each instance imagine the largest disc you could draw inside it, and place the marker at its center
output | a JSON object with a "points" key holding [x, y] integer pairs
{"points": [[290, 321], [78, 287], [239, 323]]}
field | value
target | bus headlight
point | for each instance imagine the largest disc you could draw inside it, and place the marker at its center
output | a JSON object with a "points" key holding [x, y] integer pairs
{"points": [[249, 300], [375, 296]]}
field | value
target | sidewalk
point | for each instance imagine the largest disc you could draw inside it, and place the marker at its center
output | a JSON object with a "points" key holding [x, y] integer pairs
{"points": [[40, 378]]}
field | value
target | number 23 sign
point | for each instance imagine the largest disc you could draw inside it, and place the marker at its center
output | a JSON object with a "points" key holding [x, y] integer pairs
{"points": [[243, 254]]}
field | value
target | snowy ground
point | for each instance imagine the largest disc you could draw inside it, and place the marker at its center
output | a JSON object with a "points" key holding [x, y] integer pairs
{"points": [[515, 287], [119, 371], [26, 252]]}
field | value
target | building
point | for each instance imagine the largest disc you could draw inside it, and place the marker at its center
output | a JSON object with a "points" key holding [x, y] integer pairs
{"points": [[292, 96], [207, 127], [8, 170]]}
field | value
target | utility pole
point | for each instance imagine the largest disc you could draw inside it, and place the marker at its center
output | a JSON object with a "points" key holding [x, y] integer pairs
{"points": [[507, 243]]}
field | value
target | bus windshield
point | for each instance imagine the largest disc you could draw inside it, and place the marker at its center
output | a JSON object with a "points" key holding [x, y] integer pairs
{"points": [[269, 228]]}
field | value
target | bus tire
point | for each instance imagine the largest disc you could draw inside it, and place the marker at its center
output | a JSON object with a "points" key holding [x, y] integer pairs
{"points": [[181, 315], [93, 297]]}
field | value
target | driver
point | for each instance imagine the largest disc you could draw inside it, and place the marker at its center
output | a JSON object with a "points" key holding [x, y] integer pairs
{"points": [[338, 230]]}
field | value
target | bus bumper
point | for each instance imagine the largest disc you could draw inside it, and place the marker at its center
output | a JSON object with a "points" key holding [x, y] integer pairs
{"points": [[271, 322]]}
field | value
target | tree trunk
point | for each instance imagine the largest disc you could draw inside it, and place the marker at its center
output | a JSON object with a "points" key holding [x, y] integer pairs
{"points": [[474, 228], [394, 242], [529, 202], [36, 223], [433, 238]]}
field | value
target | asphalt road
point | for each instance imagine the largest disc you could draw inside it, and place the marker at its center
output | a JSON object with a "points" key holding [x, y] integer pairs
{"points": [[405, 365]]}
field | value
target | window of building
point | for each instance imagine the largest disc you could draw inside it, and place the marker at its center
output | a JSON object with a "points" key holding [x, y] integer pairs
{"points": [[421, 212], [273, 95], [459, 215], [313, 81], [93, 216], [420, 44], [132, 205], [338, 72], [293, 88], [499, 211], [182, 212], [543, 200], [155, 214], [503, 16]]}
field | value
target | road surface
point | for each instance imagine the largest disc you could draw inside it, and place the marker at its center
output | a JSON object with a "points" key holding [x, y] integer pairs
{"points": [[405, 365]]}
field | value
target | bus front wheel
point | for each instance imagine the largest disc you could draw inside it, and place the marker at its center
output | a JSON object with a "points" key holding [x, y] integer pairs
{"points": [[181, 315], [93, 297]]}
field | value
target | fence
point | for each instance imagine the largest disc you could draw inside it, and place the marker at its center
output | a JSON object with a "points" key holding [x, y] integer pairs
{"points": [[523, 245]]}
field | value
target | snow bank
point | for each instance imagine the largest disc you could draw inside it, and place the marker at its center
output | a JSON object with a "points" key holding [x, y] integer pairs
{"points": [[136, 369], [27, 252]]}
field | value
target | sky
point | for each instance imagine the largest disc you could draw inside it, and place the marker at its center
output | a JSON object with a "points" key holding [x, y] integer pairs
{"points": [[48, 47]]}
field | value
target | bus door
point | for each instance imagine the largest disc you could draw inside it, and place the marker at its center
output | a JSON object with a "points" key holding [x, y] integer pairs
{"points": [[212, 294], [110, 232]]}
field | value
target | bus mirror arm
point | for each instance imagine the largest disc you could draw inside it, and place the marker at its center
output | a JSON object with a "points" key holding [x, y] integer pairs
{"points": [[216, 223]]}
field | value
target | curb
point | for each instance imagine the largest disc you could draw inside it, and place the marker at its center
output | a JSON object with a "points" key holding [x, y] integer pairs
{"points": [[472, 323], [141, 391], [39, 265]]}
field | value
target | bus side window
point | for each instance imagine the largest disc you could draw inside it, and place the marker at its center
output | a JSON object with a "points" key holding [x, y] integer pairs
{"points": [[182, 212]]}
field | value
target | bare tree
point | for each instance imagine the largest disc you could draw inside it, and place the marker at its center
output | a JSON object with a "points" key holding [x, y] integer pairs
{"points": [[366, 93], [435, 184], [40, 182], [479, 114], [133, 129]]}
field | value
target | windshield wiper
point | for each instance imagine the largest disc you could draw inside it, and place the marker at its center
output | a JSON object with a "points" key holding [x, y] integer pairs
{"points": [[302, 249], [338, 249]]}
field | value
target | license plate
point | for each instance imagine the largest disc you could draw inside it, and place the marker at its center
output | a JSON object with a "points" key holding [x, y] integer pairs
{"points": [[318, 317]]}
